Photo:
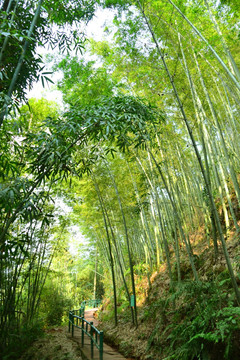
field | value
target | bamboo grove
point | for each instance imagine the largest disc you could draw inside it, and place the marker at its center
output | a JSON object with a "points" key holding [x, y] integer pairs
{"points": [[147, 150]]}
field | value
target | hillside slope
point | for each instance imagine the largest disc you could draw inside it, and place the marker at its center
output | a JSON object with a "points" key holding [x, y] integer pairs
{"points": [[193, 320]]}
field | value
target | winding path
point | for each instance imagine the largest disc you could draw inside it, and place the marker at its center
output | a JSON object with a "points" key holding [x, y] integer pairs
{"points": [[109, 353]]}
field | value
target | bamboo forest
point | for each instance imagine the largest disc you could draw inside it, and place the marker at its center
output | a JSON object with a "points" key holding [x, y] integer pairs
{"points": [[120, 179]]}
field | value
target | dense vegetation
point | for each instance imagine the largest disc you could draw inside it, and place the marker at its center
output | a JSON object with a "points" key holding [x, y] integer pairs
{"points": [[144, 160]]}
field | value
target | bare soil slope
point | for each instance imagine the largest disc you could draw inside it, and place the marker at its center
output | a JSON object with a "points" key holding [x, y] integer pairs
{"points": [[57, 344]]}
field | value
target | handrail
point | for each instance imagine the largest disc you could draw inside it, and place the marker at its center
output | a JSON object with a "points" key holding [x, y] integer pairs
{"points": [[92, 303], [87, 328], [80, 312]]}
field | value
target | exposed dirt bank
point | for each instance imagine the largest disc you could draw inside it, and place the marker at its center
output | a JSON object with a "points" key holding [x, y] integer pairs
{"points": [[56, 344]]}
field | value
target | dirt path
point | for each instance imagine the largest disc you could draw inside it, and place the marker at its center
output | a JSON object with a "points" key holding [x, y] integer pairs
{"points": [[89, 316], [58, 344], [109, 353]]}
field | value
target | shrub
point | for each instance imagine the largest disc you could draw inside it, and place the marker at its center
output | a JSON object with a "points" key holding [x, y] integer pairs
{"points": [[21, 339], [202, 321]]}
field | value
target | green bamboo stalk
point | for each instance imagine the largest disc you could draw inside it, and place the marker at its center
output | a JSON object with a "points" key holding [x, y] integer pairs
{"points": [[10, 25], [228, 261], [200, 120], [119, 262], [109, 245], [230, 75], [231, 60], [3, 112], [215, 117], [128, 243]]}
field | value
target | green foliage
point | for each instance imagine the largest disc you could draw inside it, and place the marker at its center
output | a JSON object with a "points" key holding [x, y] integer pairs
{"points": [[23, 29], [62, 12], [19, 341], [203, 319], [122, 4], [56, 308], [233, 4], [56, 296], [36, 110], [85, 83], [125, 120]]}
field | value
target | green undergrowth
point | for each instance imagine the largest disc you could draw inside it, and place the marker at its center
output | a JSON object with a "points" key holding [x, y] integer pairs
{"points": [[21, 339], [191, 321], [53, 312], [200, 320]]}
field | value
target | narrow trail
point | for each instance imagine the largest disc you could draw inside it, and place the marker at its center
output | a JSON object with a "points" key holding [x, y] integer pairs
{"points": [[109, 353]]}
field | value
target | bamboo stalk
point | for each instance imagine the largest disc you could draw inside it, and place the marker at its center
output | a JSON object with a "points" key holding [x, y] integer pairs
{"points": [[228, 261]]}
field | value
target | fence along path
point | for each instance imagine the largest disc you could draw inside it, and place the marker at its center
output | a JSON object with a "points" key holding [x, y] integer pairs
{"points": [[109, 353]]}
